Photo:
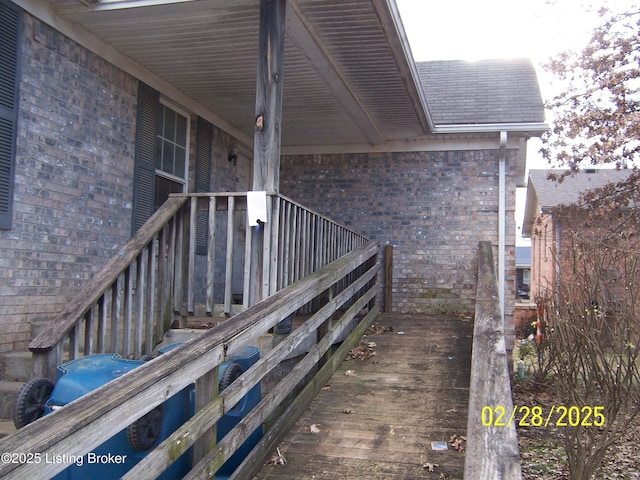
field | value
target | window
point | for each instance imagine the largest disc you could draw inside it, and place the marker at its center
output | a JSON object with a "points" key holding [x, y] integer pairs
{"points": [[162, 150], [161, 164], [10, 27], [171, 154]]}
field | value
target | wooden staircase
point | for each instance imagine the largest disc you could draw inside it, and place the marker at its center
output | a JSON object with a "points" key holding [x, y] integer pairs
{"points": [[307, 265]]}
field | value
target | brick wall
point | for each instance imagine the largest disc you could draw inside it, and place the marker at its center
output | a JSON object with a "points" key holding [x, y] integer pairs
{"points": [[73, 187], [433, 207], [73, 177]]}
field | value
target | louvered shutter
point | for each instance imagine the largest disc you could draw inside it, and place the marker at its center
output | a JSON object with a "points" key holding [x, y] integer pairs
{"points": [[204, 137], [10, 21], [144, 183]]}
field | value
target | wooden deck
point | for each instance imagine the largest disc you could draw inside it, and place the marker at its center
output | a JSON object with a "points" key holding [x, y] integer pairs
{"points": [[377, 417]]}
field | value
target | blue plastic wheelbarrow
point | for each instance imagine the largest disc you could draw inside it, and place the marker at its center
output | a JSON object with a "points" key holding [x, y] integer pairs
{"points": [[120, 453]]}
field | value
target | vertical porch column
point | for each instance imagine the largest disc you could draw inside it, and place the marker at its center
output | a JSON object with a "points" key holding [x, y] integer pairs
{"points": [[266, 140]]}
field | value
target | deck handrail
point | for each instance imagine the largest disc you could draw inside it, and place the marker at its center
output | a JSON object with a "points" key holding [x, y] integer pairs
{"points": [[492, 446], [151, 281], [81, 426]]}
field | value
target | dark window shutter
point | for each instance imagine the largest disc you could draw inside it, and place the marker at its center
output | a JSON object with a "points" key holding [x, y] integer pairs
{"points": [[10, 22], [145, 168], [204, 138]]}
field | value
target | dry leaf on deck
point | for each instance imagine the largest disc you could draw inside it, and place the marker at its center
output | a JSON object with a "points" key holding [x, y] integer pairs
{"points": [[277, 459], [314, 428], [431, 467]]}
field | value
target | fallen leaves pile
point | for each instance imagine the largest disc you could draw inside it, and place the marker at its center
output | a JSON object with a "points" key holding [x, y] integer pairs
{"points": [[364, 350], [378, 330], [458, 443]]}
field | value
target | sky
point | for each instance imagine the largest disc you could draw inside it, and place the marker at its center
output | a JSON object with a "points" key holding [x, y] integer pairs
{"points": [[474, 29]]}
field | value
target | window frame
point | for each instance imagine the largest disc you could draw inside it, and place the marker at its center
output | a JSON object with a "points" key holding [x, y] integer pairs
{"points": [[162, 173]]}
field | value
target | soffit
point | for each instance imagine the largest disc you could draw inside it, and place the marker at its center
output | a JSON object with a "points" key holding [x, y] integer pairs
{"points": [[348, 77]]}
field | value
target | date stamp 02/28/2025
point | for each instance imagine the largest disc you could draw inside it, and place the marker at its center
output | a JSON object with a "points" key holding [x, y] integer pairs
{"points": [[536, 416]]}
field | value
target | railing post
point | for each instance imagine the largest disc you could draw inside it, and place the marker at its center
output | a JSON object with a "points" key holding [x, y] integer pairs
{"points": [[206, 392], [46, 362], [388, 278]]}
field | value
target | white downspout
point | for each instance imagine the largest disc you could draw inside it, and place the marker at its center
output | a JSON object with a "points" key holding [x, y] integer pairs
{"points": [[502, 217]]}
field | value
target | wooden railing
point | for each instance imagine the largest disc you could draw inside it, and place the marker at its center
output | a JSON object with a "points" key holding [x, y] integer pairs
{"points": [[191, 241], [127, 306], [81, 426], [492, 450]]}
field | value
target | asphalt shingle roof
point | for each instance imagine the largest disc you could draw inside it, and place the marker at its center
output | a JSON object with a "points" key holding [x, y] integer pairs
{"points": [[551, 193], [543, 193], [482, 92]]}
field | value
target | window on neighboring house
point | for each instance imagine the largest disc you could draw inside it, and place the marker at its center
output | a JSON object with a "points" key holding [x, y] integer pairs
{"points": [[10, 27]]}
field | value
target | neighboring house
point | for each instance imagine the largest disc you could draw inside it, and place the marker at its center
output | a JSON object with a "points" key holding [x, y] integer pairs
{"points": [[105, 110], [545, 230], [523, 272]]}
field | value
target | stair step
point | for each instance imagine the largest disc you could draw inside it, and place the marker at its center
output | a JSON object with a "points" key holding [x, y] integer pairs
{"points": [[8, 393], [16, 366]]}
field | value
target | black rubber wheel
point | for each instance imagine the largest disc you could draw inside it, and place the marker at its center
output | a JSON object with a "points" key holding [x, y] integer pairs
{"points": [[233, 371], [144, 432], [31, 400]]}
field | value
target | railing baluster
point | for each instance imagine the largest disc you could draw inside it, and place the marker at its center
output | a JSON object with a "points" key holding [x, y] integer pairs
{"points": [[275, 245], [211, 255], [102, 324], [116, 299], [141, 294], [88, 331], [178, 257], [126, 326], [287, 245], [304, 242], [73, 342], [294, 245], [246, 283], [191, 272], [152, 295], [164, 288], [266, 252], [228, 274]]}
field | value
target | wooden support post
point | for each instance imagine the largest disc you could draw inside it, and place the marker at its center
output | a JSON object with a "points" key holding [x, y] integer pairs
{"points": [[266, 142], [388, 278]]}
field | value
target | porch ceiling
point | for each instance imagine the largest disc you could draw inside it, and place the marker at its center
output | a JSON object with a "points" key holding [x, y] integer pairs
{"points": [[348, 78]]}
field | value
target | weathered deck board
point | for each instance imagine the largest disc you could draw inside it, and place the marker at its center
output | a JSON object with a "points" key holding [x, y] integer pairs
{"points": [[379, 421]]}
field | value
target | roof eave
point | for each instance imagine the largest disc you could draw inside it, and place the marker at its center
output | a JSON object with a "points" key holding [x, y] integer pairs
{"points": [[408, 68]]}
